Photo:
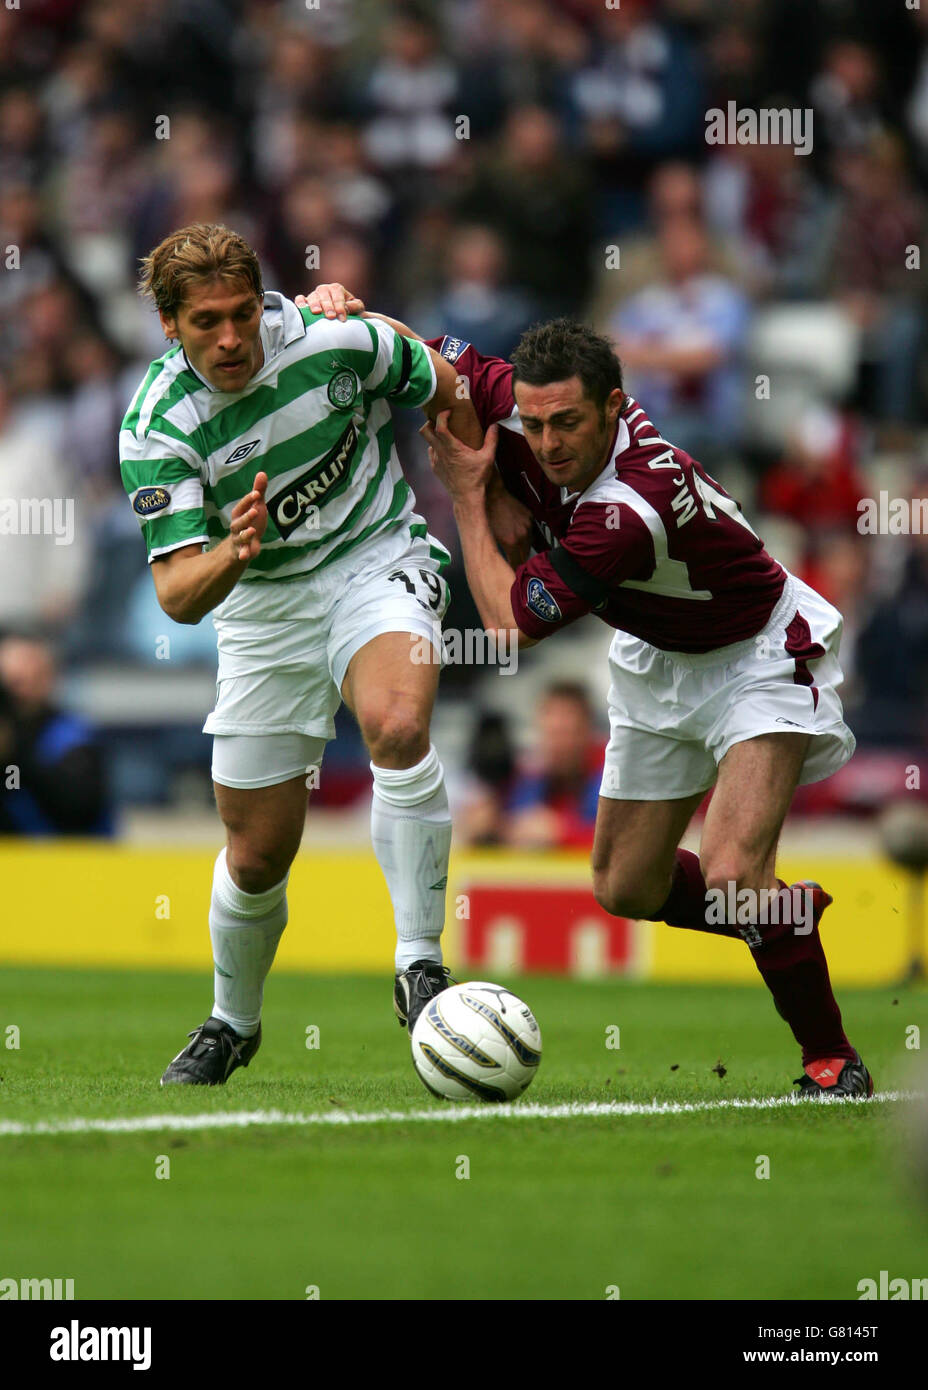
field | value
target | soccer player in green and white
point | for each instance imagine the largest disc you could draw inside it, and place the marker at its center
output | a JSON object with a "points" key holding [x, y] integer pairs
{"points": [[258, 455]]}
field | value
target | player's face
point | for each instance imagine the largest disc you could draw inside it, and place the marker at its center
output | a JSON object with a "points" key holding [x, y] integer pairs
{"points": [[566, 431], [219, 327]]}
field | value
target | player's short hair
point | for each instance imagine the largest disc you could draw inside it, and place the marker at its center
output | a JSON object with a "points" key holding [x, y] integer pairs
{"points": [[202, 251], [560, 349]]}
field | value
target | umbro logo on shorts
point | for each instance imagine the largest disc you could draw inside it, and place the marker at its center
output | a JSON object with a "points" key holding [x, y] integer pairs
{"points": [[242, 452], [328, 476]]}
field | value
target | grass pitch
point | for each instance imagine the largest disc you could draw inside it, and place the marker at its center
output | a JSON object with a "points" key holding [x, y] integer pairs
{"points": [[659, 1205]]}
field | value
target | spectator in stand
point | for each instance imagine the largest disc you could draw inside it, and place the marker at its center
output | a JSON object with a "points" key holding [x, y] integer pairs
{"points": [[53, 778], [410, 97], [847, 95], [553, 800], [43, 565], [775, 216], [641, 99], [680, 340], [476, 304], [817, 484], [676, 196], [516, 53], [362, 200], [892, 662], [306, 203], [875, 272], [291, 77], [479, 796], [537, 196], [22, 232], [23, 150]]}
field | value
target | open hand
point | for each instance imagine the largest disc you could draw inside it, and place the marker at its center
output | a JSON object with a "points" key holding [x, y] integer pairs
{"points": [[249, 521]]}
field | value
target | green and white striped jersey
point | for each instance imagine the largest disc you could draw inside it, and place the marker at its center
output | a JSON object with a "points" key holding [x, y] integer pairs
{"points": [[315, 418]]}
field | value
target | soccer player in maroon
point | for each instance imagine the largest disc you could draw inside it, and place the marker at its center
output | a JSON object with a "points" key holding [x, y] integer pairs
{"points": [[723, 666]]}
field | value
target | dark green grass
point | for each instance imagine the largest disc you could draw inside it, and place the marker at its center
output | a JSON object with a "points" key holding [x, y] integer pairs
{"points": [[662, 1206]]}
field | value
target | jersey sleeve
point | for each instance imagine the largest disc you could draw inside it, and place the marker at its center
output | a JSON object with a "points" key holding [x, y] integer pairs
{"points": [[489, 379], [402, 369], [605, 544], [165, 491]]}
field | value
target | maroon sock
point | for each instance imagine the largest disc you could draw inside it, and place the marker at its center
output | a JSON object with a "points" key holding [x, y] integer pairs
{"points": [[795, 971], [686, 902], [793, 967]]}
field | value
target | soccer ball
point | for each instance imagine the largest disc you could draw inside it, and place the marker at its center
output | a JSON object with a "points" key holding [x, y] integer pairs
{"points": [[476, 1041]]}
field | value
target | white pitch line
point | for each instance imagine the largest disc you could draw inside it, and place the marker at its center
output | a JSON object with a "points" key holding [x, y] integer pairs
{"points": [[244, 1119]]}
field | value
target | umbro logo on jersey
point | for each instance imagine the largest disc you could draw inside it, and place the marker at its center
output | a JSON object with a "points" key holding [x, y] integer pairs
{"points": [[327, 477], [242, 452]]}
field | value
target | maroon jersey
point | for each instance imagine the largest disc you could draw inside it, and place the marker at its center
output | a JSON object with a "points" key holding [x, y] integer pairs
{"points": [[653, 545]]}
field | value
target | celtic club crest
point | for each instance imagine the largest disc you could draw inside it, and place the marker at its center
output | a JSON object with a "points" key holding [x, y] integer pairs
{"points": [[343, 389]]}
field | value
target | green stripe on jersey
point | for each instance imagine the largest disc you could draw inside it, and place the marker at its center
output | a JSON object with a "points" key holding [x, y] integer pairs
{"points": [[419, 531], [240, 419], [154, 371], [136, 473], [167, 532], [395, 515], [268, 560], [194, 452]]}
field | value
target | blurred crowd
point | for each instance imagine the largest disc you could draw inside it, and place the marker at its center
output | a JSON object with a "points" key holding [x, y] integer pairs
{"points": [[470, 167], [545, 797]]}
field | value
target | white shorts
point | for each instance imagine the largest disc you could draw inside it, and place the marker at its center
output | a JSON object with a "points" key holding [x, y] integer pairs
{"points": [[278, 685], [673, 716]]}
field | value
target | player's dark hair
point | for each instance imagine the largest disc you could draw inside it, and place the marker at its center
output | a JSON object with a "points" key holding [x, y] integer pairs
{"points": [[560, 349]]}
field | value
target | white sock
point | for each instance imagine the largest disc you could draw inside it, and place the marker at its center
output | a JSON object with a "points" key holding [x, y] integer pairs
{"points": [[245, 929], [411, 833]]}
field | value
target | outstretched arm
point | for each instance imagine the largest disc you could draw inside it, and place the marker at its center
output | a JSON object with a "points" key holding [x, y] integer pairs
{"points": [[510, 522]]}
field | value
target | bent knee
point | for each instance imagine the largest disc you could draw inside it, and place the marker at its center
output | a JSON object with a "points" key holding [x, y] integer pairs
{"points": [[628, 897], [732, 873], [256, 868], [396, 736]]}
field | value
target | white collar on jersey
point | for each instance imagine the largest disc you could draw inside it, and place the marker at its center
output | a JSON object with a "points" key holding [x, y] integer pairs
{"points": [[281, 324], [622, 440]]}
